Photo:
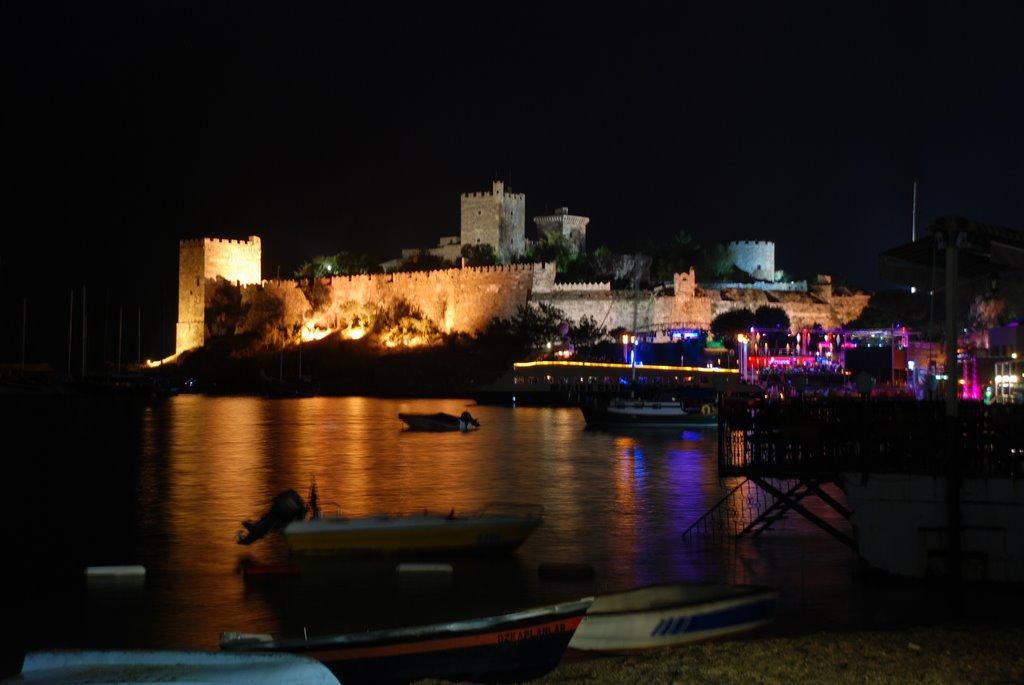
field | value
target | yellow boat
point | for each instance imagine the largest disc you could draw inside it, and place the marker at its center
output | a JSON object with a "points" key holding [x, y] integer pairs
{"points": [[479, 533]]}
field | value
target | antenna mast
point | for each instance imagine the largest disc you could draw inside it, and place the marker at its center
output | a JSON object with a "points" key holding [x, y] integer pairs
{"points": [[913, 217]]}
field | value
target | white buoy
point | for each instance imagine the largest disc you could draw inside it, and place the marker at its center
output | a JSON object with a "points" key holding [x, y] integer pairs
{"points": [[425, 568], [131, 571]]}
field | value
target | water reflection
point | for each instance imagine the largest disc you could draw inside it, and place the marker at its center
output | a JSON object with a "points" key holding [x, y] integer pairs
{"points": [[616, 500]]}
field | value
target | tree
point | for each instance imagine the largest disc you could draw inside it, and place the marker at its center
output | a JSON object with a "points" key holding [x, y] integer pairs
{"points": [[354, 263], [585, 333], [479, 255], [985, 312], [771, 317], [534, 326], [715, 261], [223, 308], [553, 247], [710, 261], [732, 323], [887, 308], [424, 261], [340, 264]]}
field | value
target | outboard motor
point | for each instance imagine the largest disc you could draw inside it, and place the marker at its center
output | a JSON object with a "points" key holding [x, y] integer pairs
{"points": [[286, 507], [467, 419]]}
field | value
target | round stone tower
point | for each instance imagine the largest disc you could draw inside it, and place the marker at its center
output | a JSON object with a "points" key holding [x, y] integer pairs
{"points": [[754, 257], [570, 226]]}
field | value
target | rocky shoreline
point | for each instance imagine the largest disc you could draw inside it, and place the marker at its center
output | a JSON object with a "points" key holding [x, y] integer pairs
{"points": [[946, 654]]}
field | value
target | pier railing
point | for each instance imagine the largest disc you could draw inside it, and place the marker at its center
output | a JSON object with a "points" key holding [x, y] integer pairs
{"points": [[820, 439]]}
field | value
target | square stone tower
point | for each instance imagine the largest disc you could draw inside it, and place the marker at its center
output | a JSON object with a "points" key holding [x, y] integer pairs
{"points": [[497, 219], [237, 261]]}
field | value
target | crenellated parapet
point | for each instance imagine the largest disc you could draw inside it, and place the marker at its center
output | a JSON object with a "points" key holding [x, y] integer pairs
{"points": [[593, 287]]}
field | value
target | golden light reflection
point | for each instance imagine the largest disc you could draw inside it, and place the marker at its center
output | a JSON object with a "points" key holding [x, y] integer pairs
{"points": [[215, 475], [625, 521], [212, 461]]}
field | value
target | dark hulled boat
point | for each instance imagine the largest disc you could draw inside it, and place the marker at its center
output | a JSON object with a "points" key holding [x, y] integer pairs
{"points": [[440, 422], [507, 648]]}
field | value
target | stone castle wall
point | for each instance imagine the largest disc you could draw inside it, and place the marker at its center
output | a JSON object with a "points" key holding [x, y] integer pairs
{"points": [[236, 261], [755, 257], [454, 300], [465, 299], [689, 306]]}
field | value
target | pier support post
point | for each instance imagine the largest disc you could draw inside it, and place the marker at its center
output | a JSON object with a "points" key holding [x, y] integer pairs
{"points": [[953, 471]]}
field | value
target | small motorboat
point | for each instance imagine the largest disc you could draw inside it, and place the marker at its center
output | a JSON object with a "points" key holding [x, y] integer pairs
{"points": [[498, 527], [508, 648], [130, 666], [417, 534], [667, 413], [672, 614], [440, 422]]}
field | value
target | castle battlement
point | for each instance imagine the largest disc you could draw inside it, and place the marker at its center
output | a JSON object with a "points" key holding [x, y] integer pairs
{"points": [[426, 274], [489, 193], [252, 241], [591, 286], [756, 243]]}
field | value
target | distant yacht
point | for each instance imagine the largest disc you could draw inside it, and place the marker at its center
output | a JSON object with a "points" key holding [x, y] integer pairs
{"points": [[664, 411]]}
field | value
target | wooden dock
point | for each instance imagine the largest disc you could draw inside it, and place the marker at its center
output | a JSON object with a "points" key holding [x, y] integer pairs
{"points": [[824, 439], [789, 451]]}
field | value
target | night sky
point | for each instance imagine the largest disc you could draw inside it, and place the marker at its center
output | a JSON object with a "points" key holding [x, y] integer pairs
{"points": [[335, 126]]}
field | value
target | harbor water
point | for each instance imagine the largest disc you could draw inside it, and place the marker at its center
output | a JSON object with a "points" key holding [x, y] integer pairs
{"points": [[167, 485]]}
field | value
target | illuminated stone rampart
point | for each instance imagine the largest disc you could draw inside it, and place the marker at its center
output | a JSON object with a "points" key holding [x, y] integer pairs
{"points": [[460, 300], [201, 259]]}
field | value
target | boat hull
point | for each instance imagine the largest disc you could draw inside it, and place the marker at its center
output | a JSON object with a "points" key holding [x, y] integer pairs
{"points": [[647, 627], [410, 535], [509, 648], [145, 666], [435, 422], [602, 416]]}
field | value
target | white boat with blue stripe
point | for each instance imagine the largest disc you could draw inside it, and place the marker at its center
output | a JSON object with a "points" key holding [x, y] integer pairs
{"points": [[672, 614]]}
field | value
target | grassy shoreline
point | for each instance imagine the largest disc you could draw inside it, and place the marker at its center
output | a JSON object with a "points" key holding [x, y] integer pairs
{"points": [[943, 654]]}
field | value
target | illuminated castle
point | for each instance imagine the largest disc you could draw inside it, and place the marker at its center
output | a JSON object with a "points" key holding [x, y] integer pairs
{"points": [[465, 300], [495, 218], [201, 261]]}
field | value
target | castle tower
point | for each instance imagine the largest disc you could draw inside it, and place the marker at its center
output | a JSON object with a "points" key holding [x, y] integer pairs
{"points": [[497, 219], [754, 257], [238, 261], [571, 227]]}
